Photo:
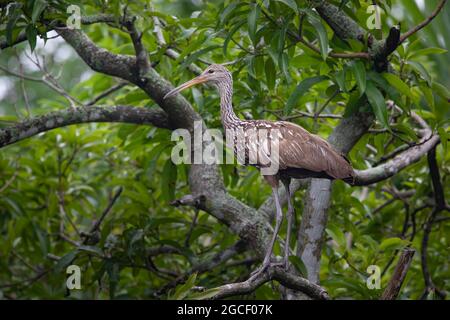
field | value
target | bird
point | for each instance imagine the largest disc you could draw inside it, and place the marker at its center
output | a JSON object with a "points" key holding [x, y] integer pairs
{"points": [[301, 154]]}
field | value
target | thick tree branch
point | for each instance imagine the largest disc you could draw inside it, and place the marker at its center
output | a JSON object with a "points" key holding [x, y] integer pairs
{"points": [[439, 205], [395, 284], [402, 159], [142, 60], [58, 119], [394, 166], [342, 25], [288, 280]]}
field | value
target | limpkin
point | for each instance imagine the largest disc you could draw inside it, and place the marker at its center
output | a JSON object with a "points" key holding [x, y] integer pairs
{"points": [[301, 154]]}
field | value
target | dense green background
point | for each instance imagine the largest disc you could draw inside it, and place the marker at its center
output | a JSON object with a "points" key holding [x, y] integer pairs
{"points": [[85, 164]]}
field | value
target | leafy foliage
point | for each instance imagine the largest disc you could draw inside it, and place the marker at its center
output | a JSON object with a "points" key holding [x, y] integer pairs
{"points": [[53, 187]]}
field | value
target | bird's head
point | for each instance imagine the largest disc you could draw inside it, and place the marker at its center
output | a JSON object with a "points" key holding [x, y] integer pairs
{"points": [[214, 74]]}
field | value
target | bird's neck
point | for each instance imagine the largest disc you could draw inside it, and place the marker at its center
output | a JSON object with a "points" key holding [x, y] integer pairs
{"points": [[228, 116]]}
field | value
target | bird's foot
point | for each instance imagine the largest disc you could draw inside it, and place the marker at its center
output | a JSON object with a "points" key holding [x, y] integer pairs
{"points": [[263, 268]]}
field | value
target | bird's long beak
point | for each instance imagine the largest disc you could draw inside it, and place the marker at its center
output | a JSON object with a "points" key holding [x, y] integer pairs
{"points": [[190, 83]]}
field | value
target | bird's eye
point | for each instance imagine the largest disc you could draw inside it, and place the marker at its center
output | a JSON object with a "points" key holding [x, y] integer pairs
{"points": [[210, 71]]}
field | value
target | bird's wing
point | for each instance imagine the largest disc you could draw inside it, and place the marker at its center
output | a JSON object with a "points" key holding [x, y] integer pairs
{"points": [[300, 149]]}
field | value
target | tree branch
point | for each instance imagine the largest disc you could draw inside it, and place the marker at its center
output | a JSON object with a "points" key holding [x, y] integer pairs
{"points": [[205, 265], [398, 163], [393, 288], [402, 159], [424, 23], [106, 93], [438, 207], [142, 61], [62, 118], [288, 280]]}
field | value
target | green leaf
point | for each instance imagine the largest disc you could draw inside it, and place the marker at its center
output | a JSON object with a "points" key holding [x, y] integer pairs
{"points": [[14, 15], [194, 56], [65, 261], [299, 265], [321, 33], [183, 290], [252, 22], [378, 104], [291, 4], [168, 180], [230, 35], [271, 73], [398, 84], [197, 43], [39, 6], [441, 90], [354, 102], [426, 51], [336, 233], [91, 249], [393, 244], [227, 11], [113, 270], [207, 294], [360, 75], [300, 90], [443, 134], [284, 66], [422, 71], [31, 34], [340, 79]]}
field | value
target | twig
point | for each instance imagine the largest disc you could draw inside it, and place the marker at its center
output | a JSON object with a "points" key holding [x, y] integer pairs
{"points": [[335, 93], [25, 262], [106, 93], [22, 85], [206, 265], [97, 224], [421, 25], [25, 283], [393, 288], [171, 53], [191, 228], [299, 38], [303, 114], [9, 182]]}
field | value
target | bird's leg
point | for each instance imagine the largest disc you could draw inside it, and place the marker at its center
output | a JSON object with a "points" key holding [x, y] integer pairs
{"points": [[290, 213], [278, 220]]}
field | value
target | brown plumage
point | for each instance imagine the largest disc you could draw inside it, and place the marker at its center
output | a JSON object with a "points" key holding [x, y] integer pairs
{"points": [[300, 153]]}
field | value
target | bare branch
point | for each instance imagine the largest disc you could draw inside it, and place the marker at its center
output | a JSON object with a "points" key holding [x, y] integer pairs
{"points": [[106, 93], [273, 273], [58, 119], [9, 181], [393, 288], [97, 224], [439, 206], [163, 249], [424, 23]]}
